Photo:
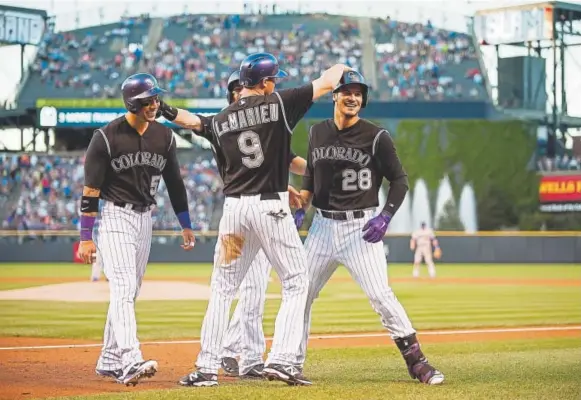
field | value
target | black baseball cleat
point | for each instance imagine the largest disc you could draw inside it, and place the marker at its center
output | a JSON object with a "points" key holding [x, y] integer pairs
{"points": [[256, 372], [105, 373], [143, 369], [230, 366], [198, 379], [286, 373]]}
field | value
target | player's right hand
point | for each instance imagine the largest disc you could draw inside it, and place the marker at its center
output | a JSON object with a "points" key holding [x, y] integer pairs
{"points": [[87, 251], [299, 217], [294, 197]]}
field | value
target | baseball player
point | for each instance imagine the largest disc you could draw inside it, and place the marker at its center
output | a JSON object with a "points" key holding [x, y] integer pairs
{"points": [[348, 158], [245, 336], [124, 164], [422, 241], [249, 137]]}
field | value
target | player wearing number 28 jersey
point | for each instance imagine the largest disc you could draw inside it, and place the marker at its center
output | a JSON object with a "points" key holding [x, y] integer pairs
{"points": [[348, 157]]}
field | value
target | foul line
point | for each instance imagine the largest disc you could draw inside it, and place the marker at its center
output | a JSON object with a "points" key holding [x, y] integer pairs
{"points": [[327, 337]]}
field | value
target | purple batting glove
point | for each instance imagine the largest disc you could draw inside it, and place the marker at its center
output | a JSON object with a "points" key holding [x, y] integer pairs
{"points": [[376, 228], [299, 217]]}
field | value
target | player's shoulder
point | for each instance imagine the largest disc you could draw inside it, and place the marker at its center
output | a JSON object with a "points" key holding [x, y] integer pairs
{"points": [[113, 126], [372, 129], [322, 128]]}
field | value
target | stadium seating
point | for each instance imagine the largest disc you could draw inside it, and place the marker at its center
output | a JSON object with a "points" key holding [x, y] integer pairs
{"points": [[420, 62], [51, 187], [85, 63], [196, 53]]}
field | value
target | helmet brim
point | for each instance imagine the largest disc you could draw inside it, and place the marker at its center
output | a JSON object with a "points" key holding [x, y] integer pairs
{"points": [[280, 74], [150, 93]]}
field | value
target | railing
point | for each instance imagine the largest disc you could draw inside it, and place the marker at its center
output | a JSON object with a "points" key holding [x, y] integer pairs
{"points": [[177, 233]]}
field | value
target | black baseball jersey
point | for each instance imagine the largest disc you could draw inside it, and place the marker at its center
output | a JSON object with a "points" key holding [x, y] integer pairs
{"points": [[251, 140], [127, 167], [345, 168]]}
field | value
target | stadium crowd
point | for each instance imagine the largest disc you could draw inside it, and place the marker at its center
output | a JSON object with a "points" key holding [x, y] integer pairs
{"points": [[198, 58], [421, 62], [196, 53], [83, 59], [51, 186]]}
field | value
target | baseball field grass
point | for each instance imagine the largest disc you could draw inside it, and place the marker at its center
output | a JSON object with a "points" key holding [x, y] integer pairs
{"points": [[517, 334]]}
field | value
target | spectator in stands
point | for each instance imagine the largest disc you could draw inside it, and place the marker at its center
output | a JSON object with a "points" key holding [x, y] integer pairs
{"points": [[51, 188]]}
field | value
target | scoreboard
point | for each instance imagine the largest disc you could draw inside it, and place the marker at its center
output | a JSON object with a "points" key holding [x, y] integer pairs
{"points": [[515, 24]]}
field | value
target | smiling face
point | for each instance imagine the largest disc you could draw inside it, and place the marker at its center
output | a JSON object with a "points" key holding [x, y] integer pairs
{"points": [[349, 99], [149, 107]]}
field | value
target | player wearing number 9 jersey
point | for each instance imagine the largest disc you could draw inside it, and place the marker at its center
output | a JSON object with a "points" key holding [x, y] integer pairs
{"points": [[347, 159], [251, 138], [245, 335], [124, 164]]}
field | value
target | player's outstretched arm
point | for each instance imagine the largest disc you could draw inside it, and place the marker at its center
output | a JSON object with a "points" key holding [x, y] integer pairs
{"points": [[178, 195], [181, 117], [97, 158], [328, 80]]}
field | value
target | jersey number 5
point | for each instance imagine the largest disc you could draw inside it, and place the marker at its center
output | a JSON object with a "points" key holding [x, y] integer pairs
{"points": [[249, 145], [353, 180]]}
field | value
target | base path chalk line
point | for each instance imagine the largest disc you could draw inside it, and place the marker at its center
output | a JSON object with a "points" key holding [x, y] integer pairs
{"points": [[328, 337]]}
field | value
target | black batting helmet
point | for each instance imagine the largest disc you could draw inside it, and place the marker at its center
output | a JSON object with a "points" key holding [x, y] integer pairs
{"points": [[259, 66], [233, 82], [138, 87], [352, 77]]}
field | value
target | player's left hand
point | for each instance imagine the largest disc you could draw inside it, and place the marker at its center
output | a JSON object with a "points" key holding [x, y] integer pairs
{"points": [[294, 197], [376, 228], [189, 239], [299, 217]]}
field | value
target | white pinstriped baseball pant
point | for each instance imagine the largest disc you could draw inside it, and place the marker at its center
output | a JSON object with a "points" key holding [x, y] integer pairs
{"points": [[245, 335], [332, 242], [123, 240], [248, 220]]}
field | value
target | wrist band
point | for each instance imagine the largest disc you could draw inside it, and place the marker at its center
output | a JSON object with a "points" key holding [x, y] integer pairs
{"points": [[184, 220], [87, 224]]}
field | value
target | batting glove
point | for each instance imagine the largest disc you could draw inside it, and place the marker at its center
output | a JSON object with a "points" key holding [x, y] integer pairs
{"points": [[299, 217], [376, 228]]}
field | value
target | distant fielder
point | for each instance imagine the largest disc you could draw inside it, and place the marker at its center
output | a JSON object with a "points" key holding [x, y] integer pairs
{"points": [[422, 241]]}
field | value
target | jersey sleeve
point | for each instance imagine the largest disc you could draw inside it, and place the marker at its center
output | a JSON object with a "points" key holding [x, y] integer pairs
{"points": [[176, 189], [308, 177], [97, 160], [390, 166], [207, 131], [295, 103]]}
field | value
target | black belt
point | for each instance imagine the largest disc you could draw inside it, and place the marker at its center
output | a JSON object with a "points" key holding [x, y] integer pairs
{"points": [[263, 196], [132, 207], [342, 215]]}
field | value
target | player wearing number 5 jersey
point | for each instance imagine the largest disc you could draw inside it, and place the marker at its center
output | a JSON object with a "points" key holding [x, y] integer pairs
{"points": [[124, 164], [251, 138], [245, 336], [347, 159]]}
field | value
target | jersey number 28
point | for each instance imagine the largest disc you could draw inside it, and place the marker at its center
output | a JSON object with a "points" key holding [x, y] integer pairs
{"points": [[354, 180], [249, 145]]}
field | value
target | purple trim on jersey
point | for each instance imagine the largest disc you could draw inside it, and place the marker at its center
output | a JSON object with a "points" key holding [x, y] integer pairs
{"points": [[184, 219]]}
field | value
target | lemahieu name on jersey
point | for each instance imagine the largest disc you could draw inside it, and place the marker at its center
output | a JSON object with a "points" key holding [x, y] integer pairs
{"points": [[247, 118], [130, 160], [341, 153]]}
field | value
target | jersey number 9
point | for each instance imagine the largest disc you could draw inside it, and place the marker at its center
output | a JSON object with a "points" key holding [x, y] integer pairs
{"points": [[249, 145], [354, 180]]}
